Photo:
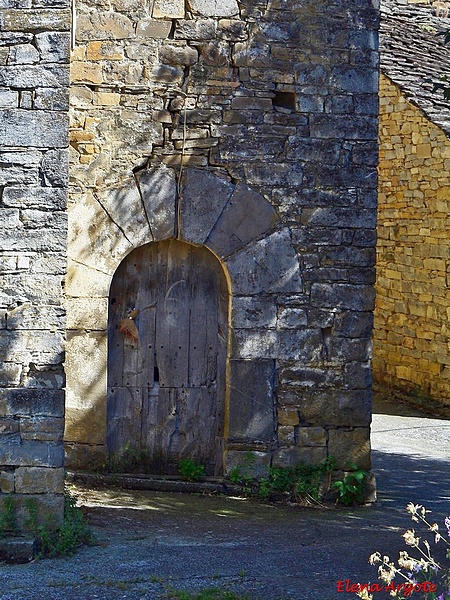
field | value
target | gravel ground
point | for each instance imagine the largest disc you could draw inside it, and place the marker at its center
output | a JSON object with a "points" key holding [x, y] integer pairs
{"points": [[150, 542]]}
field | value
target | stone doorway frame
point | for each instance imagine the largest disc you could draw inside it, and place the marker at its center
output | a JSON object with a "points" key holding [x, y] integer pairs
{"points": [[202, 207]]}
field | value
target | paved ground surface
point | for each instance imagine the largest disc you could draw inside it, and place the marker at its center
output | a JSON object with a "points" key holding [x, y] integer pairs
{"points": [[151, 541]]}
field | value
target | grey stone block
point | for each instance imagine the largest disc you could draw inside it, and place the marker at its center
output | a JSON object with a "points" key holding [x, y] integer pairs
{"points": [[36, 197], [342, 295], [18, 20], [9, 98], [251, 312], [336, 408], [196, 29], [158, 187], [206, 8], [269, 265], [53, 46], [252, 409], [24, 128], [203, 198], [246, 217], [32, 454], [54, 168], [290, 457], [33, 76], [23, 54], [31, 402]]}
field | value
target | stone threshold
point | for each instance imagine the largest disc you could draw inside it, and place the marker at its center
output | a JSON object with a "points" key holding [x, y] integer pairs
{"points": [[157, 483]]}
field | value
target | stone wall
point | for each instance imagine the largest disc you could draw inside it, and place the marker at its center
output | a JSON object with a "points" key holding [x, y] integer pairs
{"points": [[34, 74], [412, 308], [277, 98]]}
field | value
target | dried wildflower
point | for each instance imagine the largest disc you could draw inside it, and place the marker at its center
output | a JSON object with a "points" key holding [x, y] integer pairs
{"points": [[410, 539], [374, 558]]}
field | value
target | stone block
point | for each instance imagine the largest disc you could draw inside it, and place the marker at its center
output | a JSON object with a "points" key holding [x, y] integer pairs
{"points": [[178, 55], [6, 482], [251, 103], [97, 250], [206, 8], [203, 198], [252, 312], [31, 402], [312, 436], [103, 50], [29, 453], [284, 175], [29, 316], [9, 99], [18, 550], [8, 426], [86, 372], [10, 373], [288, 416], [246, 217], [54, 168], [24, 128], [49, 429], [350, 446], [336, 408], [124, 205], [158, 188], [39, 480], [290, 457], [23, 54], [86, 72], [49, 509], [296, 374], [53, 46], [196, 29], [286, 435], [292, 318], [269, 265], [168, 9], [358, 375], [18, 20], [85, 457], [249, 462], [252, 409], [87, 313], [34, 197], [343, 296], [153, 28]]}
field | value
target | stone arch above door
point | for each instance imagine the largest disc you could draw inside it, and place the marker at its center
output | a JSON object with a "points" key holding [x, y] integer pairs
{"points": [[258, 256]]}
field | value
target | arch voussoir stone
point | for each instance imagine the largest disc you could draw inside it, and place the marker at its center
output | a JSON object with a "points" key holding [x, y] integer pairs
{"points": [[270, 265], [246, 217], [124, 205], [204, 195], [158, 188]]}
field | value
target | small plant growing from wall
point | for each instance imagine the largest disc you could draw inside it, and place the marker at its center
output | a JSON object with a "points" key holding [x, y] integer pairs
{"points": [[190, 469], [352, 487], [303, 483], [52, 541]]}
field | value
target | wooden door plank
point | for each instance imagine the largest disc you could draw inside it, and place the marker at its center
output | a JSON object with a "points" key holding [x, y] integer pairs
{"points": [[203, 319], [172, 316], [123, 419]]}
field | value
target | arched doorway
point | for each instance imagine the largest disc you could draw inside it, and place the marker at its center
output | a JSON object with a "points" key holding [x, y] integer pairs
{"points": [[167, 363]]}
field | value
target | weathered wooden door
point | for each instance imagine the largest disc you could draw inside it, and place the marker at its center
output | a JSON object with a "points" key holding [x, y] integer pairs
{"points": [[166, 378]]}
